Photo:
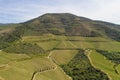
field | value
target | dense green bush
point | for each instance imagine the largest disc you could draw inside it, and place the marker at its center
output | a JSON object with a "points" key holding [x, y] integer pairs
{"points": [[24, 48], [111, 33], [113, 56], [8, 38], [79, 68]]}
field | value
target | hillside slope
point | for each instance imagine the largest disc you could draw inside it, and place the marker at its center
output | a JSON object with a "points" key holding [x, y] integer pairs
{"points": [[62, 24]]}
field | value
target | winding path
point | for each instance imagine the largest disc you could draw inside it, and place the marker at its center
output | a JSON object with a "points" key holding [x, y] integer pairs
{"points": [[88, 52], [49, 57], [41, 71], [56, 66]]}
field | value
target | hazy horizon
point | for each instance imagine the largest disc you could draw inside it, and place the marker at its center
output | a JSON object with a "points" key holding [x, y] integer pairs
{"points": [[14, 11]]}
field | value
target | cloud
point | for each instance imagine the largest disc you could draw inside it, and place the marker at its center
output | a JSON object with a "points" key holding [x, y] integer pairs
{"points": [[20, 11]]}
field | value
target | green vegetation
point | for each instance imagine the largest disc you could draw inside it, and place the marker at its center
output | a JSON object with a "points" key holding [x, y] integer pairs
{"points": [[57, 74], [65, 44], [79, 68], [22, 66], [60, 24], [39, 47], [110, 32], [48, 45], [95, 43], [63, 56], [46, 37], [7, 57], [23, 48], [113, 56], [47, 42], [100, 62], [25, 69], [8, 38]]}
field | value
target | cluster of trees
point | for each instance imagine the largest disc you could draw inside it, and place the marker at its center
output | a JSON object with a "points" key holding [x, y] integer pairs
{"points": [[79, 68], [24, 48], [8, 38], [108, 31], [113, 56]]}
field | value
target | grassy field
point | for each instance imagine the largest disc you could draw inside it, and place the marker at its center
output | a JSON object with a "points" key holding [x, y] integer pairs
{"points": [[100, 62], [78, 38], [110, 46], [42, 38], [23, 66], [9, 57], [65, 44], [118, 68], [89, 42], [63, 56], [36, 38], [48, 45], [24, 69], [43, 41], [95, 43], [57, 74]]}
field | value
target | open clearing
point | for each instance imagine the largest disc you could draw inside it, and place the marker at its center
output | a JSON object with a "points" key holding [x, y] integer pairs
{"points": [[23, 70], [9, 57], [57, 74], [95, 43], [48, 45], [63, 56]]}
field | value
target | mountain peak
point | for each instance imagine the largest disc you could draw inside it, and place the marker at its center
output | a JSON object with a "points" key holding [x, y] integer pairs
{"points": [[58, 14], [58, 17], [63, 17]]}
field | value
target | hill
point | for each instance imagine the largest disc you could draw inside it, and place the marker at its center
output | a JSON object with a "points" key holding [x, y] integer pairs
{"points": [[63, 24], [69, 24], [60, 46]]}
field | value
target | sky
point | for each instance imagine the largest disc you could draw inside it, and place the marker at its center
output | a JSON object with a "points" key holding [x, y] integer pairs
{"points": [[16, 11]]}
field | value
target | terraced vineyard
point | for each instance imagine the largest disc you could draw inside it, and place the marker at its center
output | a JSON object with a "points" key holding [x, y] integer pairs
{"points": [[60, 47], [100, 62], [23, 67], [63, 56], [56, 74], [95, 43], [58, 53]]}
